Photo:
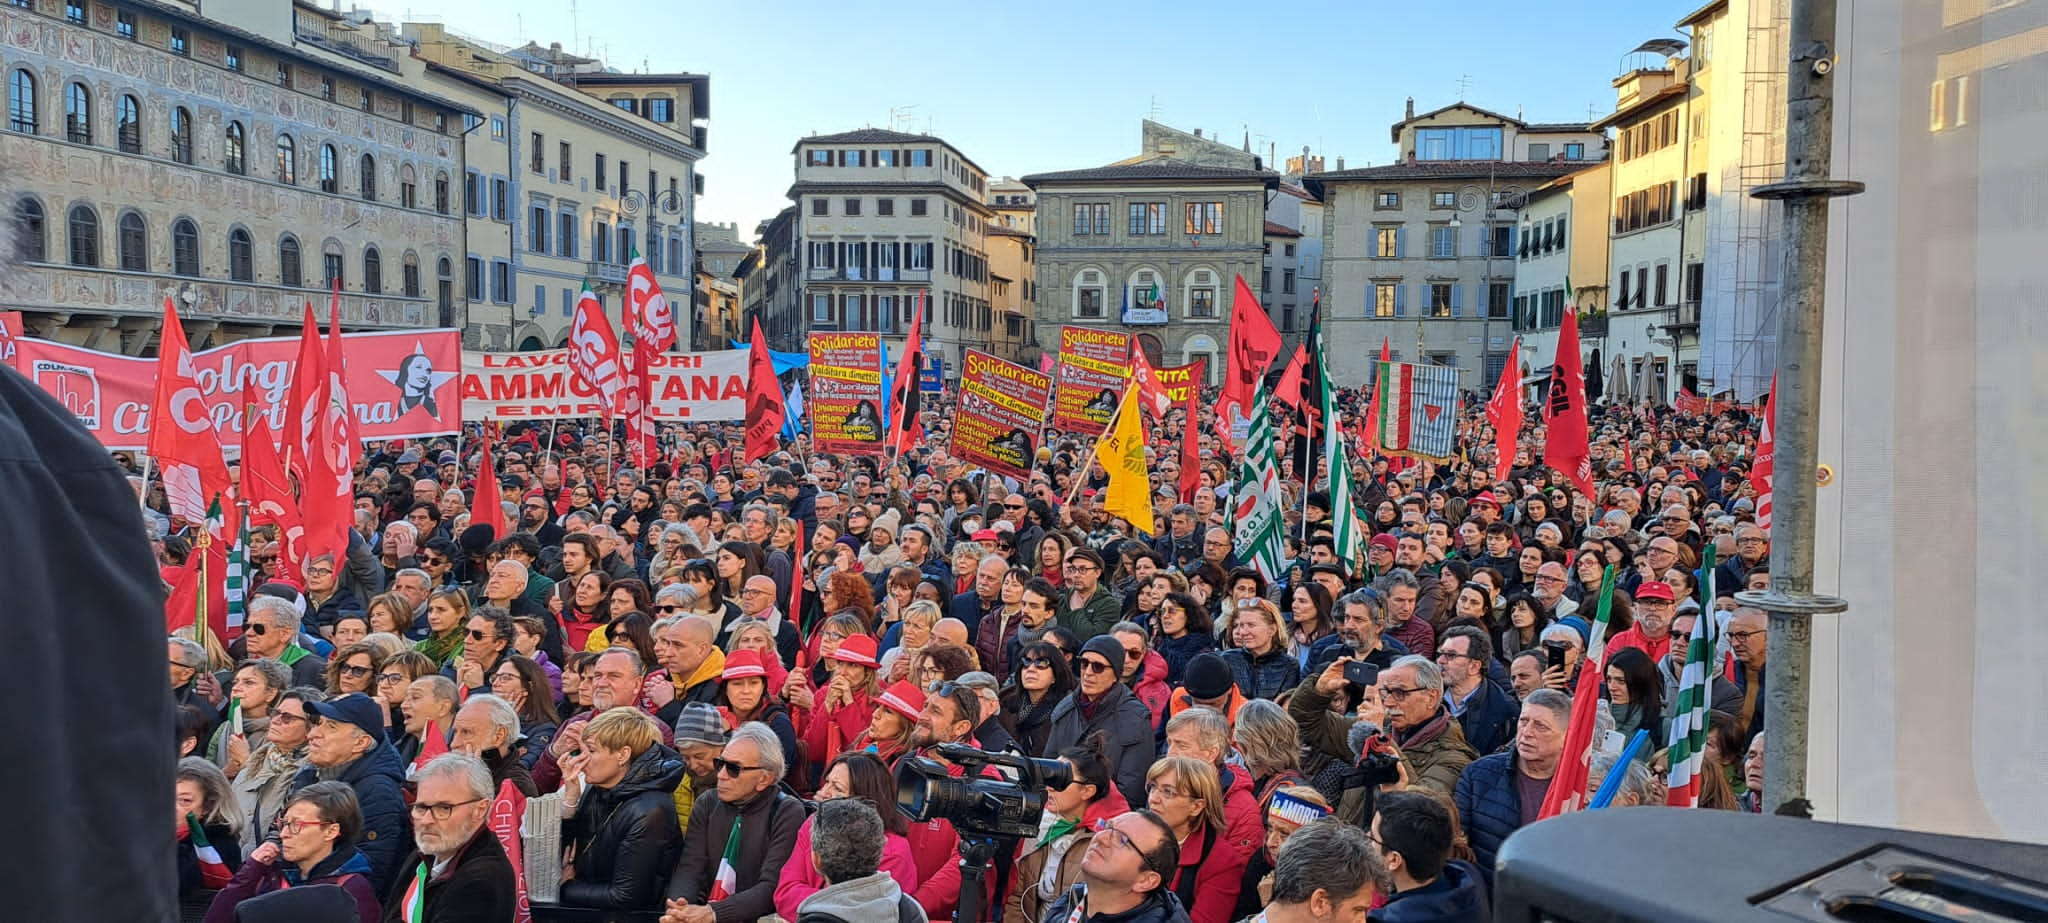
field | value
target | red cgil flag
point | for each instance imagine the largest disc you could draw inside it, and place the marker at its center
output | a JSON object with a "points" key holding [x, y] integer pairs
{"points": [[1254, 344], [1565, 445], [765, 411], [1505, 413], [299, 412], [1151, 394], [1762, 467], [327, 497], [181, 431], [488, 507], [269, 492], [594, 354], [1191, 436], [654, 329], [904, 406], [1287, 390]]}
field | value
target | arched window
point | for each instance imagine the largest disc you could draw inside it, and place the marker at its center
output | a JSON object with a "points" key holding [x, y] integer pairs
{"points": [[241, 256], [184, 247], [367, 177], [235, 150], [330, 180], [411, 276], [1089, 294], [78, 114], [128, 125], [287, 160], [332, 272], [444, 294], [132, 242], [408, 187], [181, 134], [32, 231], [373, 271], [441, 192], [21, 102], [85, 236], [289, 269], [1198, 293]]}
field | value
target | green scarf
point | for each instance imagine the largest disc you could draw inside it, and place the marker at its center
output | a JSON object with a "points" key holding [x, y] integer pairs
{"points": [[1059, 828], [292, 654], [441, 648]]}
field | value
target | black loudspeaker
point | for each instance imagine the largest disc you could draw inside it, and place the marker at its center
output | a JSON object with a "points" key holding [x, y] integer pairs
{"points": [[1672, 865]]}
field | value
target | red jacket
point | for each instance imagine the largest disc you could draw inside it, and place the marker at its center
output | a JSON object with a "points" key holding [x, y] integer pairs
{"points": [[1151, 687], [1244, 825], [1635, 638], [1209, 886], [852, 719]]}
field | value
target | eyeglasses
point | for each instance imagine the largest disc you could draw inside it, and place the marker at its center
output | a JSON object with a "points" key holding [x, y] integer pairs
{"points": [[1396, 692], [319, 571], [479, 635], [497, 678], [1742, 637], [349, 669], [727, 767], [1442, 656], [256, 628], [1164, 791], [440, 811], [1114, 837], [432, 560], [390, 677], [1036, 663], [285, 717], [293, 827], [1094, 666], [668, 609], [1546, 578]]}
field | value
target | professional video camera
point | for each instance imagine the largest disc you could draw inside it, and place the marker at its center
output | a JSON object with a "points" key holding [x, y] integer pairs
{"points": [[978, 806]]}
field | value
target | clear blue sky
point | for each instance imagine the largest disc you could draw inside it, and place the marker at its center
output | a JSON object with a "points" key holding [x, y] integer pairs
{"points": [[1056, 85]]}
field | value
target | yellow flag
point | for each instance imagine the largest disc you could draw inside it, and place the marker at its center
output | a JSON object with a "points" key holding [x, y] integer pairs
{"points": [[1122, 453]]}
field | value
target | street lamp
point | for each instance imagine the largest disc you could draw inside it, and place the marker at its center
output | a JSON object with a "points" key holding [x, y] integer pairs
{"points": [[1491, 198]]}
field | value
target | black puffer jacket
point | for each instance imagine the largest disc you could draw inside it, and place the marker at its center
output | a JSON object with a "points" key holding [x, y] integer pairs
{"points": [[626, 838], [1263, 676]]}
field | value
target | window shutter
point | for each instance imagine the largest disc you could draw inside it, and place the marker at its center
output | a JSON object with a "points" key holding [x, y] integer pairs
{"points": [[1457, 301], [1485, 300], [1400, 300], [1400, 244]]}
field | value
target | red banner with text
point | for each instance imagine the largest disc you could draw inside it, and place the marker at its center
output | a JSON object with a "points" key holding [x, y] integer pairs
{"points": [[1178, 381], [1094, 367], [1002, 414], [688, 387], [846, 393], [402, 384]]}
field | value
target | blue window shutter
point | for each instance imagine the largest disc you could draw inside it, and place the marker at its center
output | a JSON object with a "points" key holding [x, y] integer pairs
{"points": [[1400, 300], [1458, 300], [1511, 238], [1400, 246]]}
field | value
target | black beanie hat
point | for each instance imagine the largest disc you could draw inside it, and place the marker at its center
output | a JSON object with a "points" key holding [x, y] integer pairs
{"points": [[1207, 677], [1111, 649]]}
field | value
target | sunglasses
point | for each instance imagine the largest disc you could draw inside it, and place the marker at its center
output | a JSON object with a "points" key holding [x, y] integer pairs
{"points": [[352, 670], [1038, 663], [1094, 666], [727, 767], [668, 610], [256, 628], [475, 635]]}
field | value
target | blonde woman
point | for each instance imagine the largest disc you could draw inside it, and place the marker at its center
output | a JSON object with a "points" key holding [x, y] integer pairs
{"points": [[918, 619], [1262, 657], [1184, 792], [619, 814]]}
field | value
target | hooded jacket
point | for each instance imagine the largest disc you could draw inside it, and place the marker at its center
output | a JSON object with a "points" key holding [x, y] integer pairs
{"points": [[800, 879], [1456, 896], [1031, 888], [345, 868], [1159, 907], [625, 838], [877, 898], [768, 827], [1151, 687], [378, 778], [1127, 735]]}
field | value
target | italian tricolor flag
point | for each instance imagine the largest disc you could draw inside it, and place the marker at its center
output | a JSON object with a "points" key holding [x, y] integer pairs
{"points": [[235, 716], [212, 871], [728, 880], [416, 897]]}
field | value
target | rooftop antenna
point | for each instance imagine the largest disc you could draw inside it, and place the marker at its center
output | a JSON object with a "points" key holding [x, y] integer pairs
{"points": [[575, 26], [1153, 112], [1592, 112], [1464, 83]]}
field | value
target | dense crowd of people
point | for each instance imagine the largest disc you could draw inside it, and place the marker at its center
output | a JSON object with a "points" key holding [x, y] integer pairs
{"points": [[715, 666]]}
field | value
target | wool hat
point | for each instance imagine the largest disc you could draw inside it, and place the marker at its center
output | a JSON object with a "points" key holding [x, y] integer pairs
{"points": [[904, 698], [700, 724], [858, 650], [742, 665], [354, 708], [1207, 676], [890, 521], [1111, 650], [1385, 540]]}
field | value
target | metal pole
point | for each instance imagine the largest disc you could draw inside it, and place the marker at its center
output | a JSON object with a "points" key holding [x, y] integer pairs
{"points": [[1790, 601]]}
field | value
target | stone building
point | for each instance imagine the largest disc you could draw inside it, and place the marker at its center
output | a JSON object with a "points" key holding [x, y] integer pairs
{"points": [[1153, 248], [233, 164]]}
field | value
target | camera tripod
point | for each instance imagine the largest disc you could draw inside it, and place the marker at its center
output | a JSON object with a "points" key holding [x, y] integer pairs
{"points": [[976, 852]]}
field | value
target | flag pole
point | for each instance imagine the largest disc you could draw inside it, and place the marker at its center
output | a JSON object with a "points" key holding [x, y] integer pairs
{"points": [[1081, 479], [142, 496]]}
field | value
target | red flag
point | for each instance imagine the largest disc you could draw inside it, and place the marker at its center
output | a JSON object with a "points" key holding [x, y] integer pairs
{"points": [[903, 407], [1288, 389], [1505, 413], [507, 810], [202, 582], [1253, 346], [328, 496], [487, 507], [1151, 394], [796, 583], [1565, 445], [594, 353], [765, 412], [269, 492], [1369, 426], [1567, 792], [654, 330], [181, 433], [433, 743], [307, 374], [1763, 465], [1191, 437]]}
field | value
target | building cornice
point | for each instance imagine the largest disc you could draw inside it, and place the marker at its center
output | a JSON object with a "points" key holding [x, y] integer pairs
{"points": [[623, 125]]}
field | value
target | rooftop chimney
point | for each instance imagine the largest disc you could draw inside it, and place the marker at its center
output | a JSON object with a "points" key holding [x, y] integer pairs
{"points": [[1340, 162], [1411, 108], [1198, 132]]}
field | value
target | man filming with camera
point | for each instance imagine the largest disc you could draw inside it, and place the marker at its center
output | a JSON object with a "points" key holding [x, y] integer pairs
{"points": [[950, 713], [1124, 875]]}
